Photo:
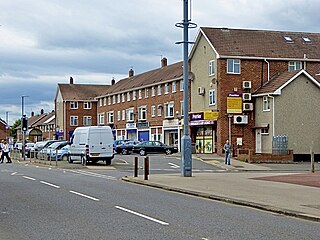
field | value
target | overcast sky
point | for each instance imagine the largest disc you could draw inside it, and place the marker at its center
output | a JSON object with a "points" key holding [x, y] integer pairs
{"points": [[44, 42]]}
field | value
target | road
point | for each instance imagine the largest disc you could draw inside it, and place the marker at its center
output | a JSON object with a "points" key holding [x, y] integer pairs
{"points": [[45, 203]]}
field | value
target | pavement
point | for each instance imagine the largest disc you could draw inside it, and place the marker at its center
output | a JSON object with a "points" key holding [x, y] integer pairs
{"points": [[287, 189]]}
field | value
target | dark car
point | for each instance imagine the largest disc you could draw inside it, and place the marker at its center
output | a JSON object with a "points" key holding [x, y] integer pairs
{"points": [[153, 147], [118, 142], [126, 147]]}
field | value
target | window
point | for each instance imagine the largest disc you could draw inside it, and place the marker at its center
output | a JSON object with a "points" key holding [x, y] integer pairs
{"points": [[266, 103], [109, 100], [140, 94], [122, 96], [104, 101], [73, 120], [212, 100], [159, 110], [174, 87], [142, 111], [134, 95], [153, 111], [119, 115], [169, 110], [74, 105], [211, 68], [288, 39], [153, 92], [128, 96], [265, 131], [233, 66], [306, 40], [114, 99], [123, 115], [101, 118], [182, 110], [130, 115], [87, 105], [166, 88], [87, 120], [159, 90], [110, 117], [181, 86], [100, 102], [119, 98], [294, 65], [146, 92]]}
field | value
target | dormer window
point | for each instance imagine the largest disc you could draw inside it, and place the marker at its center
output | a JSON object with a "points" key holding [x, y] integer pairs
{"points": [[288, 39], [306, 40]]}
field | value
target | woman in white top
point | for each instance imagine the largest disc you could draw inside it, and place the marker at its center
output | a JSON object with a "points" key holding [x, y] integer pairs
{"points": [[5, 152]]}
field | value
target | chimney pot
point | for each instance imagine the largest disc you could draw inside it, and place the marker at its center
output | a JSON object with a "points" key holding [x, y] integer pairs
{"points": [[71, 80], [113, 81], [164, 62], [131, 72]]}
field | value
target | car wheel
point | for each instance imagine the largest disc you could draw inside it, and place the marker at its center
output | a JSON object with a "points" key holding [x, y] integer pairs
{"points": [[124, 152], [70, 160], [142, 152], [168, 151], [65, 158]]}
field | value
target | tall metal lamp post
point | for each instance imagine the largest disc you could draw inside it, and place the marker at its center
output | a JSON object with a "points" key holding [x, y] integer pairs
{"points": [[7, 126], [186, 156], [23, 130]]}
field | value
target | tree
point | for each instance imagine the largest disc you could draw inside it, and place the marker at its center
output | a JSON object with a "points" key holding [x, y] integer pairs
{"points": [[13, 129]]}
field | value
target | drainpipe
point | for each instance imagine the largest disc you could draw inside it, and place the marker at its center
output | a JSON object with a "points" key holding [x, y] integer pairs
{"points": [[273, 118], [268, 68], [304, 62]]}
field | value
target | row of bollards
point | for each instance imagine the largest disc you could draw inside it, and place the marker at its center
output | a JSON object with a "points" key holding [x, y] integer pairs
{"points": [[146, 167]]}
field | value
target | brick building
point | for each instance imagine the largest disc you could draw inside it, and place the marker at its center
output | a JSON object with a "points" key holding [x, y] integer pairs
{"points": [[4, 132], [230, 65], [147, 106]]}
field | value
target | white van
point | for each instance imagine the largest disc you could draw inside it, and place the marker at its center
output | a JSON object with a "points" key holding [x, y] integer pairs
{"points": [[92, 143]]}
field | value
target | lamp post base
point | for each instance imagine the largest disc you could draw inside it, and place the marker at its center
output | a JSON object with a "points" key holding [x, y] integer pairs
{"points": [[186, 156]]}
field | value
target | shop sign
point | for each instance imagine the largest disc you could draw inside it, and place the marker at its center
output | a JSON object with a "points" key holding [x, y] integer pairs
{"points": [[196, 116], [142, 125], [170, 123], [201, 122], [234, 103], [210, 115], [130, 125]]}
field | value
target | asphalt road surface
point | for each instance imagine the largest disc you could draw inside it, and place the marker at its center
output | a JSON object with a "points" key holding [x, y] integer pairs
{"points": [[44, 203]]}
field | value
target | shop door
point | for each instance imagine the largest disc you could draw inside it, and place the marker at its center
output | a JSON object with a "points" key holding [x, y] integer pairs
{"points": [[143, 136]]}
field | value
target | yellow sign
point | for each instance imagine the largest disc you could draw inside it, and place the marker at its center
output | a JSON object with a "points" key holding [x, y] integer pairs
{"points": [[234, 103], [209, 115]]}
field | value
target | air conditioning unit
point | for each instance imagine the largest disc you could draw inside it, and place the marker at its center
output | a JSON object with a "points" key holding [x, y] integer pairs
{"points": [[201, 90], [246, 96], [240, 119], [247, 106], [246, 84]]}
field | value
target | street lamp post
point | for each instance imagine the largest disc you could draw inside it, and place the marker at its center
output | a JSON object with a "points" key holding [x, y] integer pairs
{"points": [[7, 126], [22, 130], [186, 155]]}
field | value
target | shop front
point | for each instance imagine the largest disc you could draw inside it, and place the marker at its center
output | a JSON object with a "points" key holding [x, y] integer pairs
{"points": [[203, 126], [131, 131], [143, 131], [171, 132]]}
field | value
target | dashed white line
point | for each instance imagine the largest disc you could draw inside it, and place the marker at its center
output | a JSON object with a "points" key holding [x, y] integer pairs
{"points": [[30, 178], [141, 215], [93, 174], [50, 184], [86, 196], [174, 165], [14, 173]]}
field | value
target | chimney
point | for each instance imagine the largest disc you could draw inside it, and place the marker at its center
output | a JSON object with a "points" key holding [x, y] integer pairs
{"points": [[113, 81], [32, 114], [41, 111], [71, 80], [164, 62], [131, 72]]}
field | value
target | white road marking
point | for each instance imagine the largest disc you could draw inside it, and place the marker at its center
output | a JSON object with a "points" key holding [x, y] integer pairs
{"points": [[50, 184], [14, 173], [86, 196], [94, 174], [174, 165], [30, 178], [141, 215]]}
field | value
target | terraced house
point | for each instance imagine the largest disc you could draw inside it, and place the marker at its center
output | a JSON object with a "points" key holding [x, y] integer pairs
{"points": [[147, 106], [252, 85]]}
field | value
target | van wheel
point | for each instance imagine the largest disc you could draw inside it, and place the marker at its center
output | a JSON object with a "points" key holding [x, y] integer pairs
{"points": [[70, 160], [124, 152], [142, 152], [168, 151], [108, 162], [83, 160]]}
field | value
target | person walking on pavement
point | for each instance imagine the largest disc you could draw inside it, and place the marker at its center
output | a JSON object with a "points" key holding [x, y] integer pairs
{"points": [[5, 152], [227, 148]]}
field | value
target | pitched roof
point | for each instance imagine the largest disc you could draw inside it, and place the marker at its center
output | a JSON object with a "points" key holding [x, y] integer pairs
{"points": [[262, 44], [47, 119], [275, 85], [169, 72], [81, 91]]}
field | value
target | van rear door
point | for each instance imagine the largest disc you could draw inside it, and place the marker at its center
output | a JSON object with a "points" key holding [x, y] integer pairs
{"points": [[99, 143]]}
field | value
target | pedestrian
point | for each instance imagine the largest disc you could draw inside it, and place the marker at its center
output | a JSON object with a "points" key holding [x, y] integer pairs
{"points": [[227, 149], [5, 152], [1, 148]]}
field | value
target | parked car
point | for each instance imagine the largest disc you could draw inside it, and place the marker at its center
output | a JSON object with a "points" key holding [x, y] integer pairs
{"points": [[53, 148], [146, 147], [62, 152], [118, 142], [126, 147], [43, 152], [28, 148]]}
